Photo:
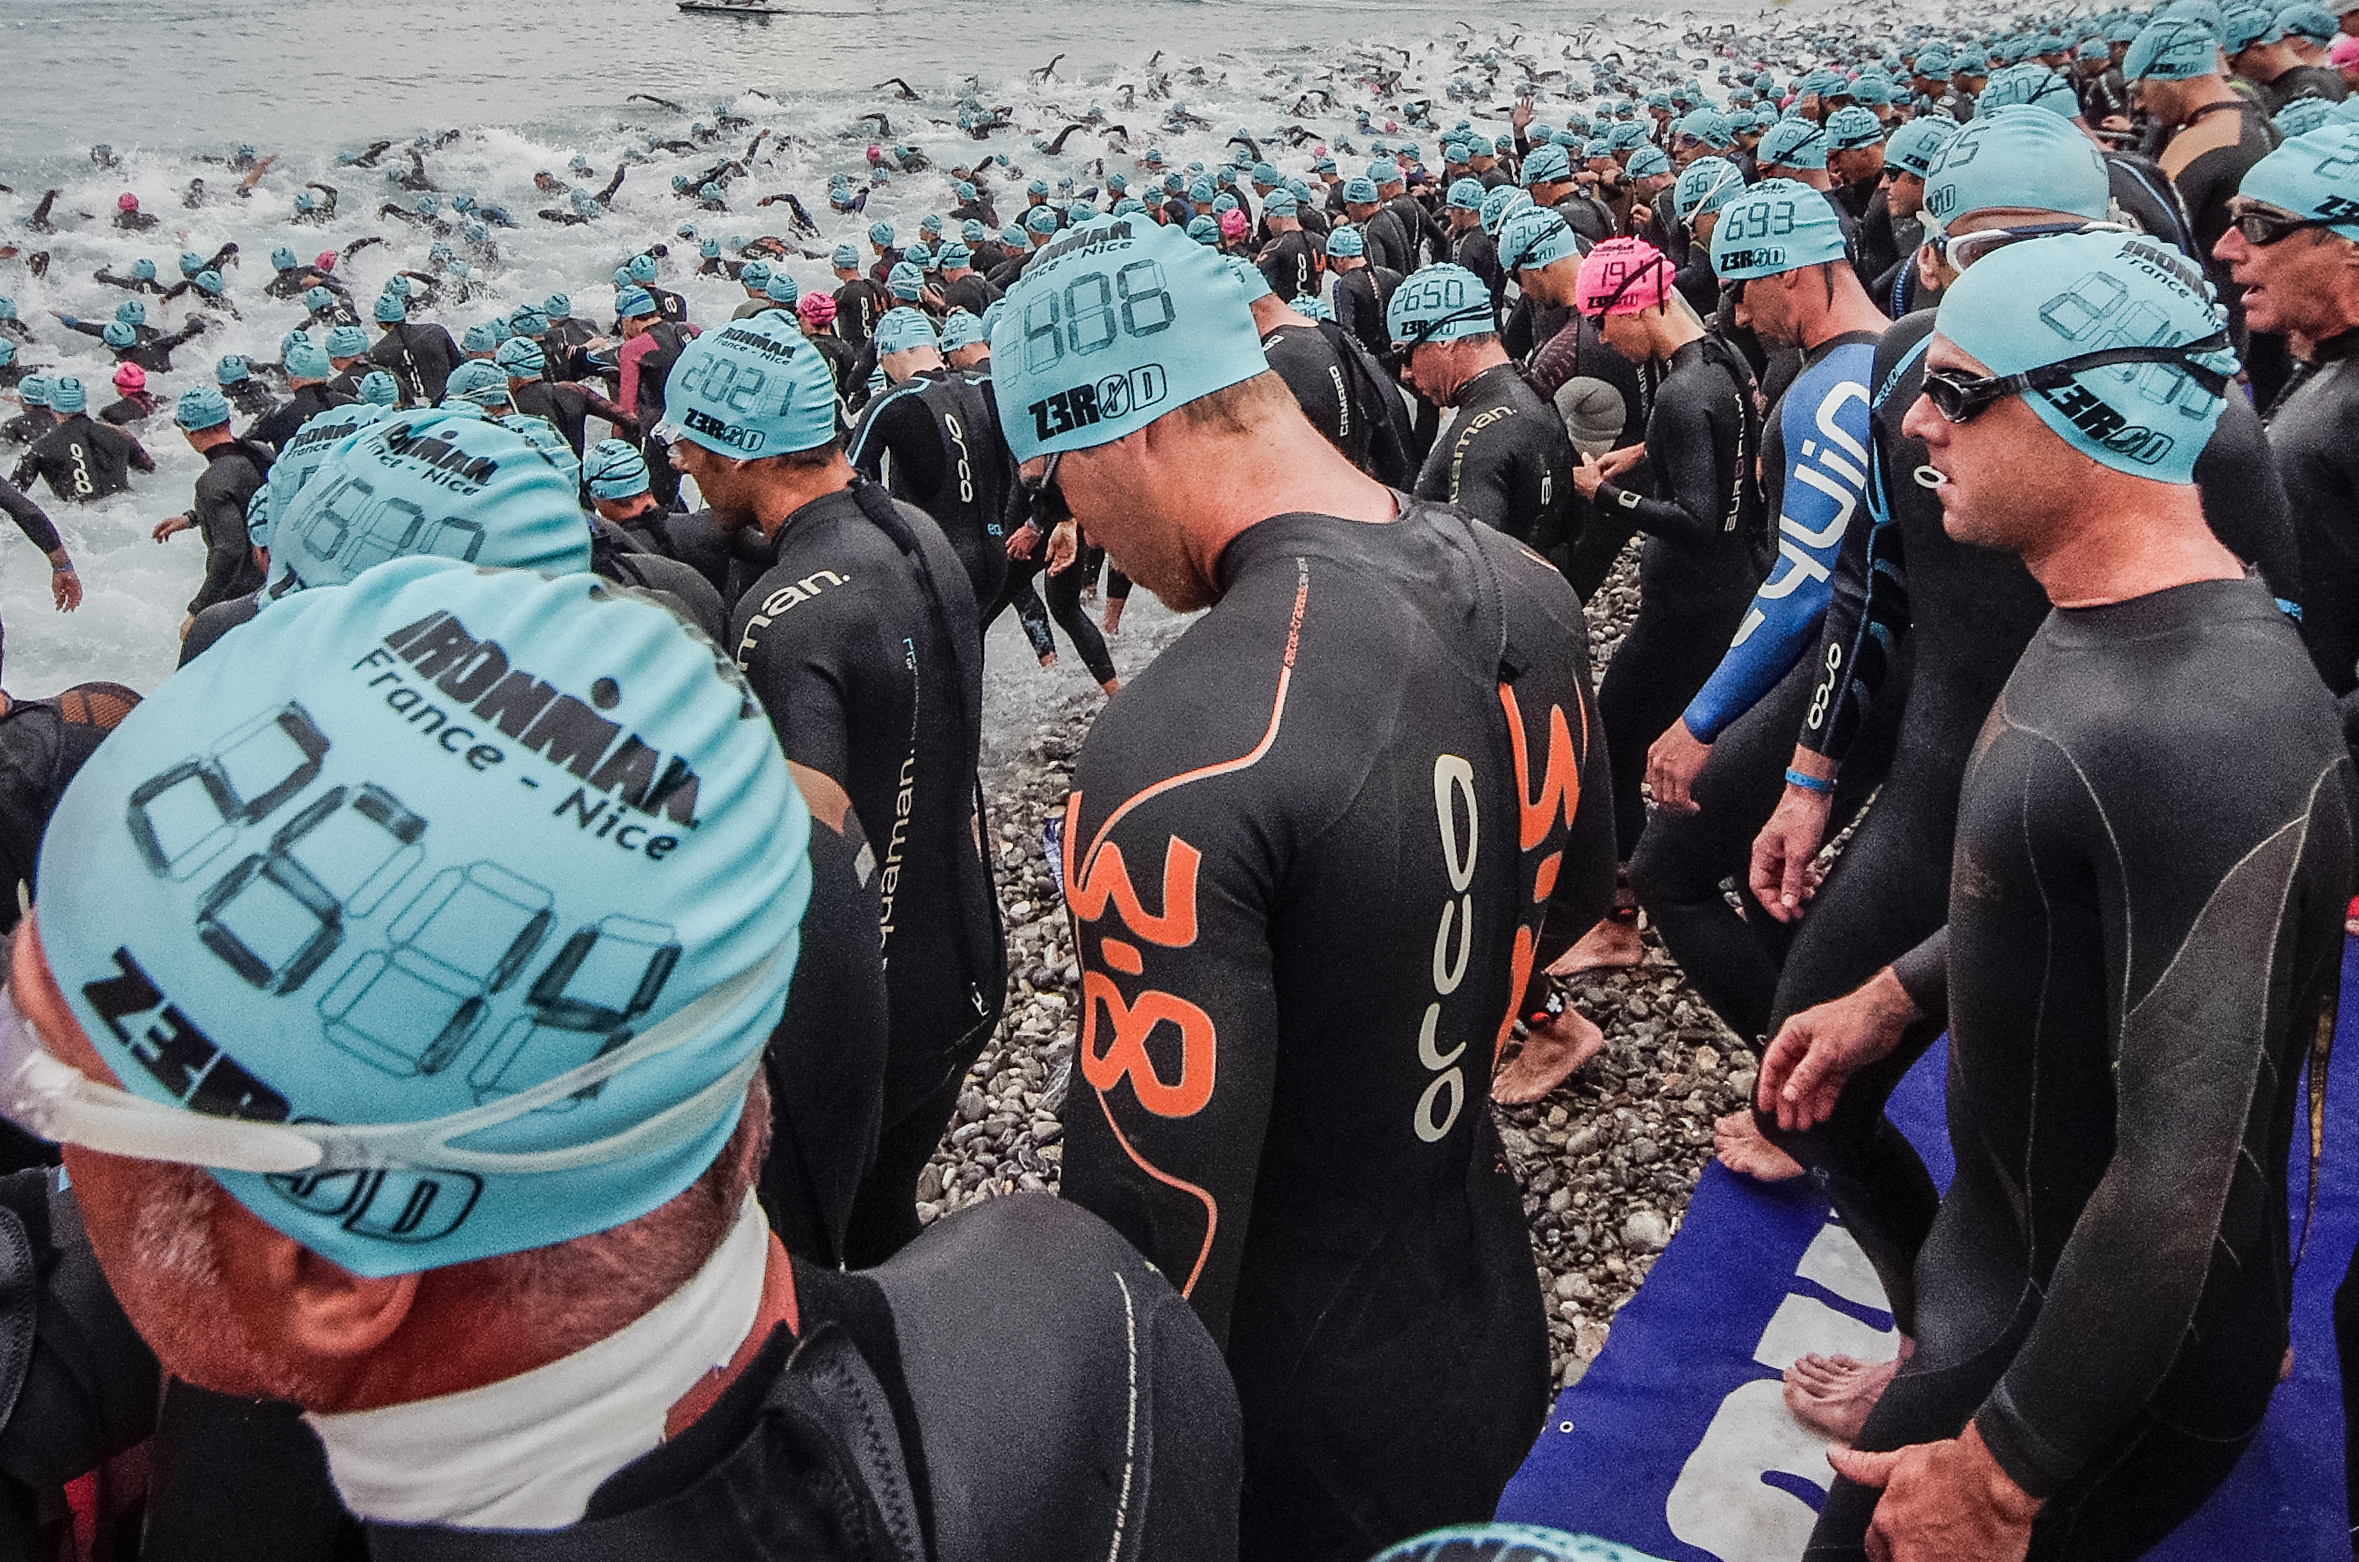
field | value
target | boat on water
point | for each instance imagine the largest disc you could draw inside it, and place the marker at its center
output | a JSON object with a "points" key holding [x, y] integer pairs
{"points": [[727, 8]]}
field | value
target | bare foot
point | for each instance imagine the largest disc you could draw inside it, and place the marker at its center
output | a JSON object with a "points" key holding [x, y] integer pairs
{"points": [[1050, 660], [1832, 1395], [1611, 945], [1738, 1144], [1548, 1057], [2285, 1371], [1114, 615], [1112, 686]]}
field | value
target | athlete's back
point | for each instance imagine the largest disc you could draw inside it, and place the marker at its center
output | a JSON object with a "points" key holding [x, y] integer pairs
{"points": [[1317, 841]]}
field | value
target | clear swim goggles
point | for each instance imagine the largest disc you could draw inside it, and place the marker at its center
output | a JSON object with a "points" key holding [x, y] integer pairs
{"points": [[47, 1097]]}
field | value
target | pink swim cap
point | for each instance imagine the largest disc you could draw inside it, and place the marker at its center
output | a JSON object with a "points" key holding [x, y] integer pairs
{"points": [[325, 260], [2345, 52], [130, 377], [127, 202], [1623, 277], [1232, 222], [816, 308]]}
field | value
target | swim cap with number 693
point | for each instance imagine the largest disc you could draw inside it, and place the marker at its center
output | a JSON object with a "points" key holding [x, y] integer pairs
{"points": [[1113, 324]]}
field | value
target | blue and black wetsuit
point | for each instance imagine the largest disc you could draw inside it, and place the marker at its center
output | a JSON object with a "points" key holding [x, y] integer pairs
{"points": [[1314, 854], [2147, 951], [1815, 468]]}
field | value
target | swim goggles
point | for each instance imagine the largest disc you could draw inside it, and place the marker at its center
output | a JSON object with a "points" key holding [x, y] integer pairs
{"points": [[48, 1097], [2263, 228], [1962, 250], [1961, 398]]}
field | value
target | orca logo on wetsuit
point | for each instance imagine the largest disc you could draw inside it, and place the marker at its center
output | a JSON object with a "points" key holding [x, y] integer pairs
{"points": [[1460, 821]]}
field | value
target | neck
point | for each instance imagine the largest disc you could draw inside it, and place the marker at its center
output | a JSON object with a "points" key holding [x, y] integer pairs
{"points": [[1286, 467], [791, 488], [2202, 92], [2137, 538], [1850, 311], [1478, 361], [1668, 330]]}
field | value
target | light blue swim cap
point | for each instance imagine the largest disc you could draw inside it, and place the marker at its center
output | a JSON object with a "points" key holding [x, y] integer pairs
{"points": [[307, 360], [961, 329], [1705, 185], [1775, 227], [1344, 241], [754, 274], [1249, 279], [201, 407], [283, 259], [614, 469], [1648, 161], [1508, 1543], [1173, 328], [143, 270], [232, 370], [480, 381], [430, 481], [634, 303], [66, 395], [902, 329], [1792, 143], [301, 458], [117, 335], [7, 351], [2172, 48], [1359, 192], [317, 843], [2028, 305], [781, 288], [881, 233], [754, 388], [1041, 219], [1496, 205], [479, 338], [557, 306], [347, 341], [1535, 236], [2314, 175], [1438, 304], [131, 312], [2302, 116], [2018, 156], [378, 389], [1849, 129], [1915, 145], [33, 390], [905, 281], [1546, 164], [391, 308], [641, 268]]}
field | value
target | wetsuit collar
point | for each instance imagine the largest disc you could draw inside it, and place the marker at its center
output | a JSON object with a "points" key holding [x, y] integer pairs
{"points": [[2334, 349], [1287, 531], [527, 1452], [1468, 392]]}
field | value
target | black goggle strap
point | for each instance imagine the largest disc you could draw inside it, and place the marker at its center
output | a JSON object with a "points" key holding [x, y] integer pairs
{"points": [[1422, 332], [2055, 376], [1628, 282]]}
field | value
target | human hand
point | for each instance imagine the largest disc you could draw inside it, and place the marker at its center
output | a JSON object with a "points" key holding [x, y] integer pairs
{"points": [[1672, 764], [65, 588], [1942, 1500], [1816, 1051], [1784, 850], [172, 526]]}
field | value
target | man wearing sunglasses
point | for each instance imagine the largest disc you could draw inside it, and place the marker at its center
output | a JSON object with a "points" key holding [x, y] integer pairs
{"points": [[2015, 176], [1280, 1094], [2294, 248], [2147, 946], [387, 1091]]}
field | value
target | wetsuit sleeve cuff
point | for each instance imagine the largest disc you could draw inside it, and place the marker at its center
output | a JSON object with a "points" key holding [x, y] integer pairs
{"points": [[1610, 497], [1923, 973], [2021, 1452]]}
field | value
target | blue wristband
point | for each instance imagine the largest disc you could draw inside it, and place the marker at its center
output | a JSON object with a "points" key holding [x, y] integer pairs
{"points": [[1808, 782]]}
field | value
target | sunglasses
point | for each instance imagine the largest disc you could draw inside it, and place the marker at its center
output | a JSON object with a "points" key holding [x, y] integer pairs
{"points": [[1964, 249], [2263, 229], [1961, 398]]}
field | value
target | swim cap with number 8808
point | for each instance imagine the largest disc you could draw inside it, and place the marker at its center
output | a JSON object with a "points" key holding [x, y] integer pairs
{"points": [[1112, 325]]}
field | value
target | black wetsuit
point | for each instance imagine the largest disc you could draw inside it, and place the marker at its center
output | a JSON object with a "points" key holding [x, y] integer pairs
{"points": [[972, 293], [420, 357], [1697, 572], [282, 423], [83, 459], [1351, 750], [1976, 609], [859, 304], [2311, 425], [1361, 295], [2148, 944], [1286, 264], [41, 532], [862, 644], [1346, 396], [233, 471], [934, 441], [2303, 81], [568, 409], [1505, 460], [867, 1429]]}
